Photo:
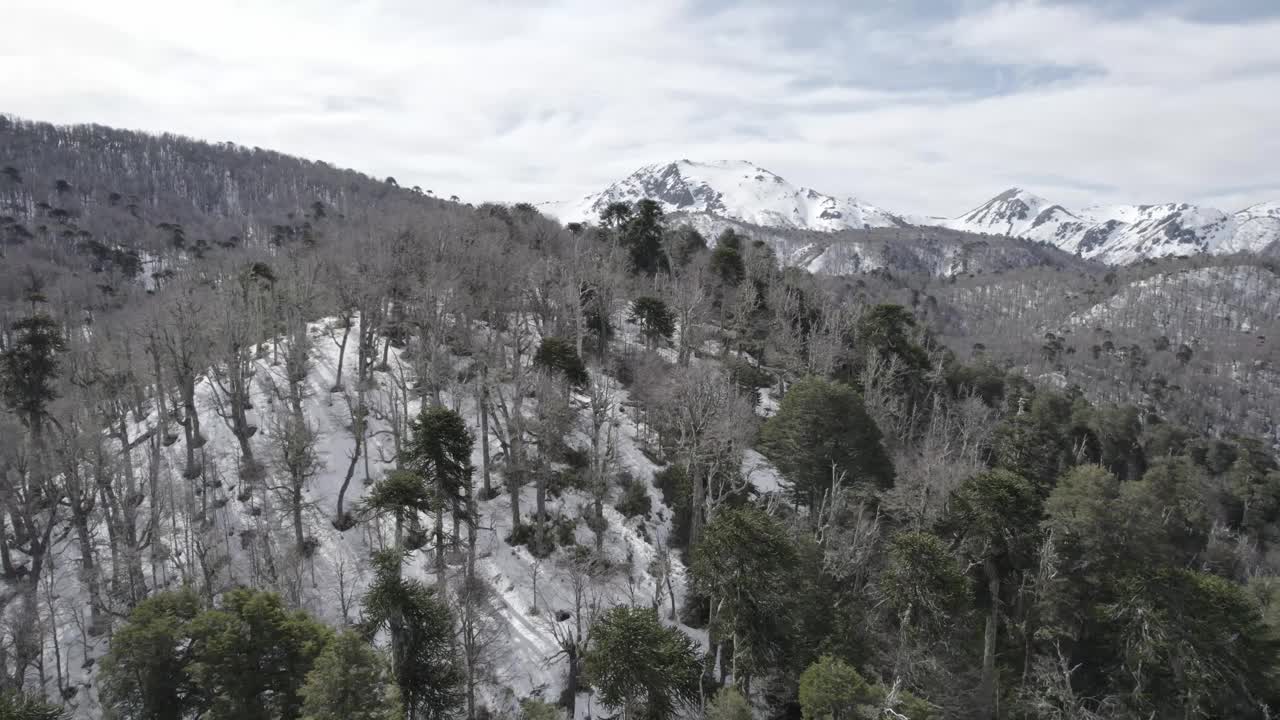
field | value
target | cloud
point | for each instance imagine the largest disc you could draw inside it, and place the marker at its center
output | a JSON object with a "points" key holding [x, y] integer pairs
{"points": [[918, 110]]}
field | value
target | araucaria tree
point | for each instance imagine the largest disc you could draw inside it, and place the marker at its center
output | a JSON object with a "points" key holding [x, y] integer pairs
{"points": [[423, 661], [439, 452], [29, 367], [350, 681], [656, 320], [247, 658], [995, 517], [822, 436], [638, 666], [744, 564]]}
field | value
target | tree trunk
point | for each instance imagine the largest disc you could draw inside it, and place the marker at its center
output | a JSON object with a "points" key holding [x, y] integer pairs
{"points": [[191, 424], [597, 509], [540, 517], [695, 505], [471, 639], [296, 511], [440, 545], [153, 518], [162, 425], [88, 570], [126, 513], [515, 468], [483, 401], [238, 398], [6, 560], [515, 429], [571, 680], [340, 520], [342, 352], [987, 687]]}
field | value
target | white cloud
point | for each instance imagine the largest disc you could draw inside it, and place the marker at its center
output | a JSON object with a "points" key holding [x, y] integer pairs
{"points": [[550, 100]]}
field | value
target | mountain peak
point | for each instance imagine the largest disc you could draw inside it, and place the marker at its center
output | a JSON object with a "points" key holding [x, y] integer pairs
{"points": [[733, 189], [1012, 212]]}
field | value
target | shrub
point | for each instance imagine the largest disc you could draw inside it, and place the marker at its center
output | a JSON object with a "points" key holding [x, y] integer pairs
{"points": [[559, 530], [535, 709], [677, 495], [635, 501]]}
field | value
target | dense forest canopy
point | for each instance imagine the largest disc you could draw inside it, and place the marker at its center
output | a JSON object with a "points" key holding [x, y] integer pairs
{"points": [[286, 441]]}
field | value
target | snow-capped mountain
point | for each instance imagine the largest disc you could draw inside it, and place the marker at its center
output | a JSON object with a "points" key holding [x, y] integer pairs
{"points": [[1257, 227], [737, 190], [734, 189], [1014, 212], [1125, 233]]}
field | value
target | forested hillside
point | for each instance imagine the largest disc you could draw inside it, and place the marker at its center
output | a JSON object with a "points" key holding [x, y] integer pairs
{"points": [[284, 441], [1192, 340]]}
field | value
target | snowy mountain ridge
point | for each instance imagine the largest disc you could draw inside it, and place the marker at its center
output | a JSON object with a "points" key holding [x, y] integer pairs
{"points": [[1115, 234], [734, 189], [1118, 234]]}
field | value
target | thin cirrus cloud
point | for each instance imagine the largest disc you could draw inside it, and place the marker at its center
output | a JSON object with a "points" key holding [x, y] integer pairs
{"points": [[921, 106]]}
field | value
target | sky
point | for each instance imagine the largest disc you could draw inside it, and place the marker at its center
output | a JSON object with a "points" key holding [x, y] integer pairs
{"points": [[919, 106]]}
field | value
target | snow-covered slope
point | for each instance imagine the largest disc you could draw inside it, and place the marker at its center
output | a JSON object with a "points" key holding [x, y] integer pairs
{"points": [[734, 189], [1125, 233], [210, 520], [1196, 306], [1013, 212], [1257, 228]]}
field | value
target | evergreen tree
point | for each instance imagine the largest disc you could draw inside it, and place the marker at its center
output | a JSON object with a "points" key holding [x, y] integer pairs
{"points": [[15, 705], [1036, 444], [726, 260], [1253, 490], [743, 563], [29, 367], [646, 670], [995, 517], [1190, 644], [820, 434], [655, 318], [404, 495], [245, 659], [558, 355], [440, 449], [686, 245], [439, 452], [923, 582], [1100, 536], [729, 704], [615, 215], [535, 709], [146, 673], [252, 656], [830, 689], [888, 329], [1111, 437], [349, 682], [642, 235], [423, 661], [1176, 492]]}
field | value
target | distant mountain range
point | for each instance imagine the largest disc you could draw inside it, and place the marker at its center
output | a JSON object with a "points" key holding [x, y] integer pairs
{"points": [[1126, 233], [742, 191], [733, 189]]}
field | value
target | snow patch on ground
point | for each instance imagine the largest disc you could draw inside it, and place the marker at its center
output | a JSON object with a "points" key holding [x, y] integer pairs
{"points": [[339, 570]]}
